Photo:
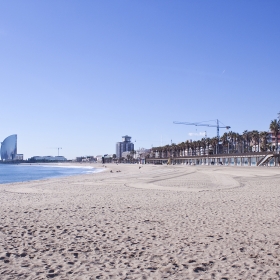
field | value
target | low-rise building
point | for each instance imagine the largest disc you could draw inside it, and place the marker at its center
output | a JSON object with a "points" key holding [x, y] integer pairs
{"points": [[86, 159], [99, 159], [47, 158], [18, 157], [142, 153], [125, 154], [108, 159]]}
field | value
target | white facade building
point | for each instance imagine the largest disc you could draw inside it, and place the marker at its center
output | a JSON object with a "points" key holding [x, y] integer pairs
{"points": [[49, 158]]}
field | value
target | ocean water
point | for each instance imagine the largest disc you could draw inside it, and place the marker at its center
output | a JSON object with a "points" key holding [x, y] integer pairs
{"points": [[10, 173]]}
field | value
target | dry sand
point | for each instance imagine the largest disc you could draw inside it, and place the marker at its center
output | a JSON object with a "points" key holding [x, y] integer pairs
{"points": [[157, 222]]}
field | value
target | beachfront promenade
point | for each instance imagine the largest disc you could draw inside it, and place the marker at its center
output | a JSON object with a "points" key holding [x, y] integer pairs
{"points": [[234, 159], [251, 148]]}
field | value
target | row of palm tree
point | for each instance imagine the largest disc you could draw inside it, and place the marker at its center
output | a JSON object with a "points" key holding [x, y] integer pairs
{"points": [[229, 142]]}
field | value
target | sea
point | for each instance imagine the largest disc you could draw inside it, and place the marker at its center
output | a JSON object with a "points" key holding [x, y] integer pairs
{"points": [[10, 173]]}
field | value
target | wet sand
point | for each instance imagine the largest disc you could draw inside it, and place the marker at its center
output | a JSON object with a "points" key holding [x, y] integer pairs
{"points": [[156, 222]]}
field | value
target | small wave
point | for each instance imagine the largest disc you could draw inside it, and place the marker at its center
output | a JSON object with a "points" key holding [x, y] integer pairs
{"points": [[21, 173], [92, 171], [68, 166]]}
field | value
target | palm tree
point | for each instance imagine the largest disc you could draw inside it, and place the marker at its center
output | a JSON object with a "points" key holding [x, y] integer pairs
{"points": [[231, 139], [192, 146], [167, 149], [235, 139], [172, 147], [239, 139], [132, 154], [255, 137], [153, 153], [164, 151], [224, 140], [182, 147], [177, 150], [203, 145], [160, 151], [188, 145], [263, 137], [146, 157], [246, 139], [214, 142], [274, 128], [207, 142], [128, 157], [198, 147]]}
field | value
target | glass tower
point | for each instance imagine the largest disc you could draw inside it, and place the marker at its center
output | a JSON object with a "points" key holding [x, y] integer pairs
{"points": [[9, 147], [124, 146]]}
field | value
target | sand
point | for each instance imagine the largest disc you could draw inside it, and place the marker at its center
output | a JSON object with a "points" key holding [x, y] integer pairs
{"points": [[157, 222]]}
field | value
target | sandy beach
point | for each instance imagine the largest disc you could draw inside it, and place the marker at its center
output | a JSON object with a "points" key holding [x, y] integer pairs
{"points": [[153, 222]]}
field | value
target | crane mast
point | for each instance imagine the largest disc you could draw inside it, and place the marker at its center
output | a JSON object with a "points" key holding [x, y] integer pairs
{"points": [[58, 150]]}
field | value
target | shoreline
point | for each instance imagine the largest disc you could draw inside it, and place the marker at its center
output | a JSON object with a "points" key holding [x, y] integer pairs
{"points": [[52, 171]]}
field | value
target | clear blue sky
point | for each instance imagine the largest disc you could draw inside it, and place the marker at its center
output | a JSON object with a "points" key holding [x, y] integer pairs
{"points": [[81, 74]]}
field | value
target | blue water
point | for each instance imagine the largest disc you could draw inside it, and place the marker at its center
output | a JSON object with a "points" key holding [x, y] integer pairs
{"points": [[10, 173]]}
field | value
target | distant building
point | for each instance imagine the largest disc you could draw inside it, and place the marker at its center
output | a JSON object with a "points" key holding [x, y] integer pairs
{"points": [[99, 158], [124, 146], [107, 158], [104, 159], [18, 157], [85, 159], [48, 158], [9, 148], [125, 154], [141, 154]]}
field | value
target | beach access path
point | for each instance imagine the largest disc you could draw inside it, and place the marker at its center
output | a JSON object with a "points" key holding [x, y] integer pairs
{"points": [[153, 222]]}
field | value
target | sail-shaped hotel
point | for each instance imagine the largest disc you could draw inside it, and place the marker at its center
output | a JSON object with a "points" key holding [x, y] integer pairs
{"points": [[9, 148]]}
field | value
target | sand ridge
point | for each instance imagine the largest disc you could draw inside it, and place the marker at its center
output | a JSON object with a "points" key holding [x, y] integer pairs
{"points": [[156, 222]]}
